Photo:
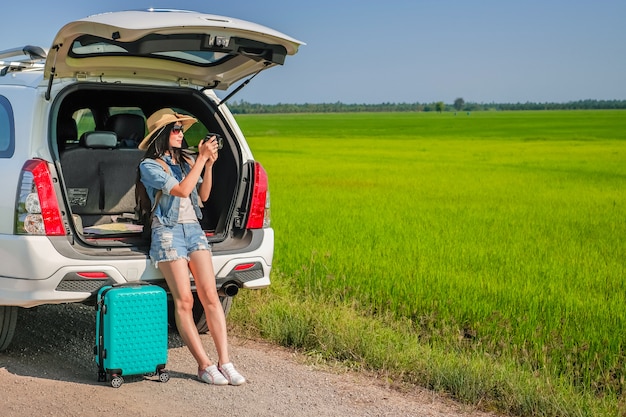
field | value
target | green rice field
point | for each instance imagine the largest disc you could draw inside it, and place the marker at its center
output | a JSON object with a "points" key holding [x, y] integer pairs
{"points": [[497, 235]]}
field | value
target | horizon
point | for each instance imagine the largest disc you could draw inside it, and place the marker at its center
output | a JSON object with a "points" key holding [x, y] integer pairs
{"points": [[234, 100]]}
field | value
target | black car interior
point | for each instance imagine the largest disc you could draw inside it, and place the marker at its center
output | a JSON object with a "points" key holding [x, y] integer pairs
{"points": [[99, 159]]}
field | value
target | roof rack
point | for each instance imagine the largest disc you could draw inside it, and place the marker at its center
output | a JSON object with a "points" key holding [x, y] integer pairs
{"points": [[33, 57], [34, 53]]}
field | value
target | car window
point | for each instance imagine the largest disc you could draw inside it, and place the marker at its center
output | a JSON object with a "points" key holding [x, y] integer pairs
{"points": [[84, 121], [189, 48], [7, 129], [125, 110]]}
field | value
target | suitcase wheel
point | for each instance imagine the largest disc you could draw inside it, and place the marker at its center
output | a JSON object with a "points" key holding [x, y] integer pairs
{"points": [[164, 376], [102, 376], [117, 381]]}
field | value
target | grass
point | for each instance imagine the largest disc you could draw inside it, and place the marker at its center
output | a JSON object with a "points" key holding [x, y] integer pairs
{"points": [[490, 244]]}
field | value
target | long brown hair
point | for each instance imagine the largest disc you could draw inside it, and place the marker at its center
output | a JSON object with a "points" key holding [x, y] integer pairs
{"points": [[160, 145]]}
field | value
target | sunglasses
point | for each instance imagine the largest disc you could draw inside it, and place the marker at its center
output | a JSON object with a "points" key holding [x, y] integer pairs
{"points": [[177, 129]]}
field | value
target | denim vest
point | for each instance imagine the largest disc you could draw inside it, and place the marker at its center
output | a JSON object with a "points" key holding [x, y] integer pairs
{"points": [[154, 177]]}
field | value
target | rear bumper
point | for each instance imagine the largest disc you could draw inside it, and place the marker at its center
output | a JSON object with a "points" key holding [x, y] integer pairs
{"points": [[34, 273]]}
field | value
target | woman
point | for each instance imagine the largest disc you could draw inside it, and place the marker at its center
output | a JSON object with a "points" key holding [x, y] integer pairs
{"points": [[179, 244]]}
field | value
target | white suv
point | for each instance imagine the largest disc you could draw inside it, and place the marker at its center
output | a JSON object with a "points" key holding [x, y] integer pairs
{"points": [[70, 121]]}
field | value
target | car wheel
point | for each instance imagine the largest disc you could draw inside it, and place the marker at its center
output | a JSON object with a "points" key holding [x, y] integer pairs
{"points": [[227, 303], [198, 312], [199, 317], [8, 320]]}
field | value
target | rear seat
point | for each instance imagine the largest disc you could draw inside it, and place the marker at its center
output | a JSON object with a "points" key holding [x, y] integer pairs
{"points": [[100, 178]]}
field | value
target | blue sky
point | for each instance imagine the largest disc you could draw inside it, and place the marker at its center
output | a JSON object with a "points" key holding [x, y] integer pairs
{"points": [[403, 50]]}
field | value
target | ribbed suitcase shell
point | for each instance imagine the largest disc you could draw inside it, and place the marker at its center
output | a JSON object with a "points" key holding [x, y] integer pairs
{"points": [[131, 330]]}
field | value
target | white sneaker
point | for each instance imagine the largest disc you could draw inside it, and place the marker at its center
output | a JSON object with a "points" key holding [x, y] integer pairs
{"points": [[231, 374], [211, 375]]}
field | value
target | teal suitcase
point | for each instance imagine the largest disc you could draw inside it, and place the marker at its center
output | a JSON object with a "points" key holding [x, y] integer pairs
{"points": [[131, 332]]}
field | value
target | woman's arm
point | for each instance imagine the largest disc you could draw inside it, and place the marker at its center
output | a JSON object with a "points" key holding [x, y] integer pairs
{"points": [[207, 179], [207, 182], [207, 154]]}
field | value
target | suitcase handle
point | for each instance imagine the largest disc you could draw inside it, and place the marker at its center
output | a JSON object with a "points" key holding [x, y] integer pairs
{"points": [[132, 284], [123, 284]]}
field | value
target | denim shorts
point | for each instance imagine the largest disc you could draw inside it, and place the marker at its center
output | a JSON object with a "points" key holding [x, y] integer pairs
{"points": [[170, 243]]}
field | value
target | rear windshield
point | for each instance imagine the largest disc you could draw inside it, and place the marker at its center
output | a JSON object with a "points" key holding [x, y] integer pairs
{"points": [[196, 49]]}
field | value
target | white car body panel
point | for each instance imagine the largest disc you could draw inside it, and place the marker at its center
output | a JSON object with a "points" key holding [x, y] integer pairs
{"points": [[27, 284]]}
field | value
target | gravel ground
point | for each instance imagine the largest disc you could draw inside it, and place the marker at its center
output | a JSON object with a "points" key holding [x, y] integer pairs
{"points": [[49, 370]]}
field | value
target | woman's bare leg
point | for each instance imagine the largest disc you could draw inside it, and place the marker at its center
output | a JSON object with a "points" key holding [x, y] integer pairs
{"points": [[201, 265], [176, 274]]}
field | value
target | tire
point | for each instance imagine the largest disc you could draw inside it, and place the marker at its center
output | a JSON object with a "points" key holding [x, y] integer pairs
{"points": [[227, 303], [198, 313], [8, 321]]}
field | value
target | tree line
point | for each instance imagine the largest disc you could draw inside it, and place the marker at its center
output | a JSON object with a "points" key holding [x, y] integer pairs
{"points": [[244, 107]]}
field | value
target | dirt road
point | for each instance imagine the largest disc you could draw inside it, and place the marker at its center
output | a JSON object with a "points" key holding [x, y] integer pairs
{"points": [[49, 371]]}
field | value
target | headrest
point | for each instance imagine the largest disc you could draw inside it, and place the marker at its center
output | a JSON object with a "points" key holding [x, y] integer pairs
{"points": [[66, 129], [66, 132], [130, 128], [100, 140]]}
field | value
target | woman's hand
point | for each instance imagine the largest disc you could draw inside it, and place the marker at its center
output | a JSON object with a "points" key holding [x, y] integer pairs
{"points": [[211, 147], [207, 155], [204, 150]]}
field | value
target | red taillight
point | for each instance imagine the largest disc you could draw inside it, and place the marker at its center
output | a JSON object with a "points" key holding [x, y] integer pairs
{"points": [[260, 206], [243, 267], [37, 211], [92, 275]]}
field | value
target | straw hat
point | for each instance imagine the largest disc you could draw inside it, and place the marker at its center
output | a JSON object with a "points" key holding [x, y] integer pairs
{"points": [[162, 118]]}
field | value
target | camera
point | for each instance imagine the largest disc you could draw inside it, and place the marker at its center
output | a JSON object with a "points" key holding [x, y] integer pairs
{"points": [[218, 138]]}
